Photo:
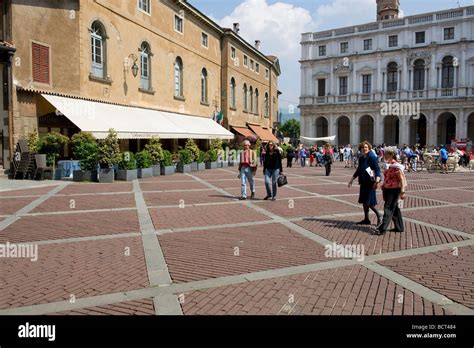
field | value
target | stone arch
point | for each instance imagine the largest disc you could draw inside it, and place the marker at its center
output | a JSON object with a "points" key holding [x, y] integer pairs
{"points": [[470, 126], [418, 130], [366, 128], [343, 128], [391, 130], [322, 127], [446, 127]]}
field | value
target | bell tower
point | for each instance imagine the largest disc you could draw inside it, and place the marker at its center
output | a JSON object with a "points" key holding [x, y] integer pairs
{"points": [[387, 9]]}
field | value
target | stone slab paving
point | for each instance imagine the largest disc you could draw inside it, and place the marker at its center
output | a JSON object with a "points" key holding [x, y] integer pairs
{"points": [[184, 244]]}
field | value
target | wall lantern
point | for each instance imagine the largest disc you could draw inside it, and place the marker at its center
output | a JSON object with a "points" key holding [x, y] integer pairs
{"points": [[135, 67]]}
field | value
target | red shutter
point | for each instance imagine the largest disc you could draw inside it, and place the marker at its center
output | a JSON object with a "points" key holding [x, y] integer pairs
{"points": [[40, 63]]}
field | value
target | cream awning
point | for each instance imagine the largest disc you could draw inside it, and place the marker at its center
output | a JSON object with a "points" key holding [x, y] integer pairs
{"points": [[134, 122]]}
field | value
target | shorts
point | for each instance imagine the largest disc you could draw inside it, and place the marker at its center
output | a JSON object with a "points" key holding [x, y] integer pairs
{"points": [[444, 161]]}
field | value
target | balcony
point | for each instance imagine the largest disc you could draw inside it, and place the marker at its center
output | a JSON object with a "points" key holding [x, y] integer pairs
{"points": [[366, 97], [418, 94], [447, 92], [342, 99], [392, 95]]}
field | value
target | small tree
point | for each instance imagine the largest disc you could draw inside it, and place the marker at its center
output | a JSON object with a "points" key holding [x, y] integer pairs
{"points": [[185, 156], [201, 157], [85, 149], [128, 161], [33, 141], [51, 145], [216, 144], [144, 159], [155, 149], [109, 150], [167, 160], [212, 155], [193, 148]]}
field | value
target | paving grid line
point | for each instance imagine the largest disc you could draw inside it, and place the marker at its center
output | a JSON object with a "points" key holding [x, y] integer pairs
{"points": [[182, 288], [157, 269]]}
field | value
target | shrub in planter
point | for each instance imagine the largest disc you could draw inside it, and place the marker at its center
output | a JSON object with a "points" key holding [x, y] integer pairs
{"points": [[200, 160], [51, 145], [211, 159], [194, 150], [85, 150], [155, 149], [167, 167], [144, 163], [185, 160], [33, 141], [127, 167], [109, 157]]}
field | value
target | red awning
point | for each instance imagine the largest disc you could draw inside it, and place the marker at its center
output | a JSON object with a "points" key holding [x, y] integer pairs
{"points": [[263, 133], [245, 132]]}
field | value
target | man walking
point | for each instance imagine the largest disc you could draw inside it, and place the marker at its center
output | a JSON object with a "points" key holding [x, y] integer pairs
{"points": [[247, 168], [443, 154]]}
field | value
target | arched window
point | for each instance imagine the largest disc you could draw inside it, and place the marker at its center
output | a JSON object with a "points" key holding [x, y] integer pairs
{"points": [[232, 93], [178, 77], [251, 99], [419, 75], [98, 50], [256, 101], [267, 105], [145, 66], [447, 80], [392, 77], [245, 97], [204, 86]]}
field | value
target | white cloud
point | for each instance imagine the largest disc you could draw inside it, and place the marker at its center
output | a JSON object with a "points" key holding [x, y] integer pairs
{"points": [[343, 13]]}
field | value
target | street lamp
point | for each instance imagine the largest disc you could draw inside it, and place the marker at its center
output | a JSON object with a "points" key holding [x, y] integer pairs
{"points": [[135, 67]]}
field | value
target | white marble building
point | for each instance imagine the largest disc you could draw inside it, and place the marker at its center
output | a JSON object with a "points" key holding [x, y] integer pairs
{"points": [[348, 73]]}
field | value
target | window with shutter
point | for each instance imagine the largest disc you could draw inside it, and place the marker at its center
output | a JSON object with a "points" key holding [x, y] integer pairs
{"points": [[40, 60]]}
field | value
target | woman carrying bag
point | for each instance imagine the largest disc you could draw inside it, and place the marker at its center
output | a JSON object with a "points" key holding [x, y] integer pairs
{"points": [[328, 158], [272, 169]]}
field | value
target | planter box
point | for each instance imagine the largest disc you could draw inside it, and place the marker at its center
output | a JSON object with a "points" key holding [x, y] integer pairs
{"points": [[211, 165], [184, 168], [194, 167], [145, 173], [225, 164], [231, 164], [58, 174], [127, 175], [106, 176], [167, 170], [82, 175], [201, 166], [156, 170]]}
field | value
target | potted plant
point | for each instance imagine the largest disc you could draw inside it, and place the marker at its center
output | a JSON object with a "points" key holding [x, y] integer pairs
{"points": [[200, 161], [211, 159], [185, 160], [127, 168], [194, 149], [144, 163], [85, 149], [155, 149], [51, 145], [167, 167], [109, 157]]}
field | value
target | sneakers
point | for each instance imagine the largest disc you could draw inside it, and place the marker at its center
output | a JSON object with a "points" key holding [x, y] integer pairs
{"points": [[364, 222], [267, 198], [252, 196], [242, 198]]}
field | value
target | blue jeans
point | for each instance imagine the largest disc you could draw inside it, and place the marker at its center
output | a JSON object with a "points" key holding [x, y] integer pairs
{"points": [[246, 174], [303, 161], [273, 175]]}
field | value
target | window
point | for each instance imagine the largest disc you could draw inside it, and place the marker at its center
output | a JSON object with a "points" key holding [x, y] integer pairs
{"points": [[321, 87], [204, 40], [393, 41], [419, 75], [368, 45], [145, 66], [232, 53], [420, 37], [178, 78], [366, 84], [256, 101], [245, 97], [252, 64], [344, 47], [98, 50], [178, 24], [392, 77], [322, 51], [257, 68], [144, 5], [204, 86], [267, 74], [232, 93], [251, 99], [266, 106], [449, 33], [246, 61], [40, 55], [343, 85], [447, 76]]}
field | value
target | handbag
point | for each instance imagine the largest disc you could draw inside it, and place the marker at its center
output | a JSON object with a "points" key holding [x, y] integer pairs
{"points": [[282, 180]]}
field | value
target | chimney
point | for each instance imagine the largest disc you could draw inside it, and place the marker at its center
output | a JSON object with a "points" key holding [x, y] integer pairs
{"points": [[236, 27], [258, 44]]}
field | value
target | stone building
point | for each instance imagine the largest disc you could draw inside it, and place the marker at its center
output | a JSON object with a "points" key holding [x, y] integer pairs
{"points": [[164, 62], [355, 81]]}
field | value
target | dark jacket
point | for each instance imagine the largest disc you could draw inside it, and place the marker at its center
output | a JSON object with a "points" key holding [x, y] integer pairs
{"points": [[273, 161], [290, 153], [365, 162]]}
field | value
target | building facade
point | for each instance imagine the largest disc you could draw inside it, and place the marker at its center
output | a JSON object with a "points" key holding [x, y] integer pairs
{"points": [[162, 55], [356, 81]]}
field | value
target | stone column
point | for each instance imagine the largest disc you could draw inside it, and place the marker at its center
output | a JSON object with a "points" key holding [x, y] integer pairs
{"points": [[461, 127], [431, 128], [354, 129], [332, 129]]}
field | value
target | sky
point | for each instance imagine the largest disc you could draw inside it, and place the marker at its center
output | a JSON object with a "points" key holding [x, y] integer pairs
{"points": [[279, 24]]}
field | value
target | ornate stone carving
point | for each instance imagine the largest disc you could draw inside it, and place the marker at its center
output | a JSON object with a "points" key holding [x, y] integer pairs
{"points": [[425, 55]]}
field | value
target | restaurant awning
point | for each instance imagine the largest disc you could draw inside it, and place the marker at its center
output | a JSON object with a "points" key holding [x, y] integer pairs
{"points": [[135, 122], [263, 133], [245, 132]]}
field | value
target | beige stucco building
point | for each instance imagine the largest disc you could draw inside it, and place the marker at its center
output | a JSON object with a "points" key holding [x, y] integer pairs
{"points": [[162, 55]]}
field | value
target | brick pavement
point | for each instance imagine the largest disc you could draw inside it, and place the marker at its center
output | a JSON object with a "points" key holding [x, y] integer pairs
{"points": [[81, 250]]}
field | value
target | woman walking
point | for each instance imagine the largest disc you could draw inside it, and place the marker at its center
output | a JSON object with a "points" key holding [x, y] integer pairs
{"points": [[272, 169], [393, 189], [290, 154], [328, 158], [368, 172]]}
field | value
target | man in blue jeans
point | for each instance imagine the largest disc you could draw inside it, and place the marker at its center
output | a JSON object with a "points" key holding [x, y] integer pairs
{"points": [[443, 153], [247, 168], [272, 168]]}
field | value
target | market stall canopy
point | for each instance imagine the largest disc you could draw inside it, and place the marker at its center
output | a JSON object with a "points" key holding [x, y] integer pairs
{"points": [[245, 132], [315, 140], [135, 122], [263, 134]]}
